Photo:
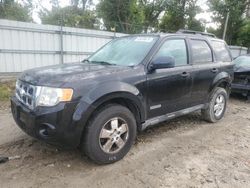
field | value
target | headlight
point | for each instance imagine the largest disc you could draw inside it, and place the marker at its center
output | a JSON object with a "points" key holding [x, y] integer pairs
{"points": [[48, 96]]}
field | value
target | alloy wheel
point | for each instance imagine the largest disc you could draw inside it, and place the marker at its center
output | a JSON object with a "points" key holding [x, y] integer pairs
{"points": [[113, 135], [219, 105]]}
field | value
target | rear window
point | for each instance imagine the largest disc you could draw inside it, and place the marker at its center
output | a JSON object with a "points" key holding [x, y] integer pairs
{"points": [[221, 52], [201, 52]]}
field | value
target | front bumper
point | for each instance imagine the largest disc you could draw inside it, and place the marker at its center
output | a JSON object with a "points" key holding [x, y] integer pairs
{"points": [[53, 125], [240, 88]]}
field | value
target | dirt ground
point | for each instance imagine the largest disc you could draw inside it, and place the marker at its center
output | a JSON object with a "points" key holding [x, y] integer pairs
{"points": [[185, 152]]}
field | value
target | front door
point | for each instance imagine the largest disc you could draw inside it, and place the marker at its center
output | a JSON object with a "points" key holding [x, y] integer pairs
{"points": [[169, 89]]}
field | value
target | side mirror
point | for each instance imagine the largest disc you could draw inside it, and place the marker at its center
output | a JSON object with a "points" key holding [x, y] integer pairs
{"points": [[162, 62]]}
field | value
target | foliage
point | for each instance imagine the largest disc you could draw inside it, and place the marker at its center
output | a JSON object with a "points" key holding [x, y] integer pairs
{"points": [[152, 10], [214, 31], [6, 89], [123, 15], [9, 9], [54, 3], [191, 11], [172, 21], [136, 16], [173, 18], [196, 25], [244, 34], [236, 9], [70, 16], [181, 14], [81, 3]]}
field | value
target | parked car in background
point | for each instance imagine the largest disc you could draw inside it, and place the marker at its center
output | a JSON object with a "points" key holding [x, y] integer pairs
{"points": [[241, 82], [130, 84], [238, 51]]}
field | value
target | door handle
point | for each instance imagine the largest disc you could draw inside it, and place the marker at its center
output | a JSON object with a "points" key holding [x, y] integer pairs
{"points": [[214, 70], [185, 74]]}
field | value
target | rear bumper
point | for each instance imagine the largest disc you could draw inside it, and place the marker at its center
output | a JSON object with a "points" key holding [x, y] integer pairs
{"points": [[53, 125]]}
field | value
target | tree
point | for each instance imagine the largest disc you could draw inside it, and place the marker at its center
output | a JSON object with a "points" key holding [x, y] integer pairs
{"points": [[81, 3], [152, 10], [9, 9], [196, 25], [123, 15], [214, 31], [54, 3], [191, 10], [171, 22], [181, 14], [70, 16], [244, 34], [174, 17], [236, 9]]}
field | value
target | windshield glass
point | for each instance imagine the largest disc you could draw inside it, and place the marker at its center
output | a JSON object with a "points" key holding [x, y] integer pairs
{"points": [[242, 61], [126, 51]]}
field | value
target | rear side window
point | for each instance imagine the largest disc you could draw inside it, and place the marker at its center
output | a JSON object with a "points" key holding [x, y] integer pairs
{"points": [[201, 52], [221, 52], [175, 48]]}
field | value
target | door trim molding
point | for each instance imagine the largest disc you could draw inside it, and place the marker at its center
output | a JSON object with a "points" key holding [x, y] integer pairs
{"points": [[158, 119], [155, 106]]}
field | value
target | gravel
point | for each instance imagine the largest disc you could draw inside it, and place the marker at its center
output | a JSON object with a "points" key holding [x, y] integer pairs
{"points": [[185, 152]]}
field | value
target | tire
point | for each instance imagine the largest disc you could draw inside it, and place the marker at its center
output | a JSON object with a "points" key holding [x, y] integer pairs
{"points": [[210, 114], [104, 150]]}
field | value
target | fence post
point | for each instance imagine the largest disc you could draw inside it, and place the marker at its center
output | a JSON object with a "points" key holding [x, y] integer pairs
{"points": [[61, 44]]}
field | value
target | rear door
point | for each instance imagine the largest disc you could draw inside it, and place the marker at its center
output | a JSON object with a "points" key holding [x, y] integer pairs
{"points": [[222, 55], [204, 69]]}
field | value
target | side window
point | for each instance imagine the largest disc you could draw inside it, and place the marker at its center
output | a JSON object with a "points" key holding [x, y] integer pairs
{"points": [[175, 48], [221, 52], [201, 52]]}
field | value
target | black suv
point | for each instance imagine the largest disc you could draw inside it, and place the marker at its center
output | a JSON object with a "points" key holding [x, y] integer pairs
{"points": [[131, 83]]}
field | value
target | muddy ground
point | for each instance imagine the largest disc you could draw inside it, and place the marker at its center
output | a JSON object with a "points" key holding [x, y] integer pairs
{"points": [[185, 152]]}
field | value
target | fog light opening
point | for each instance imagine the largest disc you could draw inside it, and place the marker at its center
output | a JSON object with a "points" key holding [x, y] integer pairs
{"points": [[46, 130]]}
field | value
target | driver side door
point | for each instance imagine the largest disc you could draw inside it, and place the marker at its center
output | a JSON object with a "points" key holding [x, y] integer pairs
{"points": [[169, 89]]}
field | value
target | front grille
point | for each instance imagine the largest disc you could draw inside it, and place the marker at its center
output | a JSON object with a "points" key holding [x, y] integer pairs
{"points": [[241, 79], [26, 93]]}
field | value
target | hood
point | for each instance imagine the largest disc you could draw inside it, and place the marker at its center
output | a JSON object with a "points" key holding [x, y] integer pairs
{"points": [[241, 69], [58, 75]]}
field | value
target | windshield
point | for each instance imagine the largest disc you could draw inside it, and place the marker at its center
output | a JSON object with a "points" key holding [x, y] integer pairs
{"points": [[242, 61], [126, 51]]}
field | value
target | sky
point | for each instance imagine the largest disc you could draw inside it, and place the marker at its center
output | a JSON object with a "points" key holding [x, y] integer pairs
{"points": [[206, 15]]}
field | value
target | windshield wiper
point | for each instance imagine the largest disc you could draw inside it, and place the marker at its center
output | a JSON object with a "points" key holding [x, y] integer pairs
{"points": [[85, 61], [102, 62]]}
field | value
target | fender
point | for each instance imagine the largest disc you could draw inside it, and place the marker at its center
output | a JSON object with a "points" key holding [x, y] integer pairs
{"points": [[104, 92], [221, 77], [109, 88]]}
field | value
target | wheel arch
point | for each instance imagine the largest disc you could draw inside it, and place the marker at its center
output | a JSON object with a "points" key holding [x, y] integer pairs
{"points": [[122, 98], [108, 93], [222, 80]]}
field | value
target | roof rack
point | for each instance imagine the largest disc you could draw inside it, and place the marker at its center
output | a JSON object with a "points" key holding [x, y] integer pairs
{"points": [[195, 33]]}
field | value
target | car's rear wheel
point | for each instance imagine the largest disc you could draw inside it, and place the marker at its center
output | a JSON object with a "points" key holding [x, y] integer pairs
{"points": [[217, 105], [109, 134]]}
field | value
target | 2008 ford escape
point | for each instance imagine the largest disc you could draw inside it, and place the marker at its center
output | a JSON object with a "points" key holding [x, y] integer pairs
{"points": [[131, 83]]}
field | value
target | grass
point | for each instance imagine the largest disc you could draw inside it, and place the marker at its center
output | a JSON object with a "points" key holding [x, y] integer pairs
{"points": [[6, 90]]}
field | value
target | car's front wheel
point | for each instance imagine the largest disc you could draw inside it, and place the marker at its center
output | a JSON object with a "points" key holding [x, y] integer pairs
{"points": [[217, 105], [110, 134]]}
